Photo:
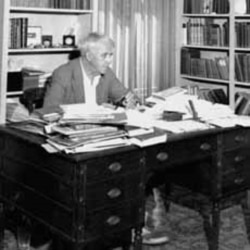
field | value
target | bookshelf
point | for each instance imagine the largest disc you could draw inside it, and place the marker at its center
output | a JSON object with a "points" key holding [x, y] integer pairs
{"points": [[32, 35], [213, 45]]}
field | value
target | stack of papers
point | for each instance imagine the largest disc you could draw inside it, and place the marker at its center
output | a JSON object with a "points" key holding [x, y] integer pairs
{"points": [[182, 126], [96, 114], [71, 136]]}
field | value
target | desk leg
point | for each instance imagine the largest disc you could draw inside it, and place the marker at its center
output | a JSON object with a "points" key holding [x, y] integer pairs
{"points": [[211, 224], [1, 226], [246, 212]]}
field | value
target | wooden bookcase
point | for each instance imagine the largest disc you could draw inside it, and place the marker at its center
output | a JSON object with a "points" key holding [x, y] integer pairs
{"points": [[50, 21], [212, 32]]}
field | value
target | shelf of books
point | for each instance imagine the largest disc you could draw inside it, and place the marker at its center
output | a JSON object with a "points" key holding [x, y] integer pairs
{"points": [[54, 4], [31, 33], [213, 45], [41, 35]]}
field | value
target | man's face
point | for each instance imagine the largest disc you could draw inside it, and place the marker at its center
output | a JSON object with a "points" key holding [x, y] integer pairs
{"points": [[101, 57]]}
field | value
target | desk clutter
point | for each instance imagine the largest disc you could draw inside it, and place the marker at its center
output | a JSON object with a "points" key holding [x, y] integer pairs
{"points": [[76, 128]]}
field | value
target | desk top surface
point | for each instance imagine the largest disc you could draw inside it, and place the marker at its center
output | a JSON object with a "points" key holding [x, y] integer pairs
{"points": [[38, 140]]}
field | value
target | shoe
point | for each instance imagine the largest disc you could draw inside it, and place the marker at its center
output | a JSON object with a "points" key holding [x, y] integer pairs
{"points": [[154, 237]]}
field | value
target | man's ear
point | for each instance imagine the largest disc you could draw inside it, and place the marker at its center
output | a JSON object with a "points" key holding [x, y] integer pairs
{"points": [[89, 56]]}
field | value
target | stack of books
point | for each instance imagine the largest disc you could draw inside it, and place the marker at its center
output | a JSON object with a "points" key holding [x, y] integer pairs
{"points": [[34, 78], [18, 33], [152, 137], [60, 4], [74, 135]]}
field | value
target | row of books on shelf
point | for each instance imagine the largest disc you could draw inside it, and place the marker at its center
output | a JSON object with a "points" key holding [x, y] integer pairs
{"points": [[206, 6], [192, 64], [242, 31], [18, 33], [203, 31], [217, 68], [60, 4], [242, 67], [214, 95]]}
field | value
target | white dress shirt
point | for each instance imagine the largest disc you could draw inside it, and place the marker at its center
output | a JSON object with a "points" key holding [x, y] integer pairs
{"points": [[89, 86]]}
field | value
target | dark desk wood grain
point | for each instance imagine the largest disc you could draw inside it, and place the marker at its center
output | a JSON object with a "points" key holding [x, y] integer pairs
{"points": [[97, 198]]}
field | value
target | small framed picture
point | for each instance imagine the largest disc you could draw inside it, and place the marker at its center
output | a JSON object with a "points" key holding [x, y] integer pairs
{"points": [[69, 41], [34, 36], [47, 41]]}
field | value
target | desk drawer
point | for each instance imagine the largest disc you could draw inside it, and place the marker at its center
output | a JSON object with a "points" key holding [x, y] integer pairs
{"points": [[236, 160], [37, 178], [183, 151], [235, 138], [39, 206], [235, 181], [123, 215], [108, 167], [236, 171], [95, 194], [114, 219], [27, 153], [112, 191]]}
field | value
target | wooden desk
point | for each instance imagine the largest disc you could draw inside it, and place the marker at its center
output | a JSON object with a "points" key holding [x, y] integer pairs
{"points": [[206, 171], [90, 200], [94, 199]]}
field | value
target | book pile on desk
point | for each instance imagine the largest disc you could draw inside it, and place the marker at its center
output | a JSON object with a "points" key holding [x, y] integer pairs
{"points": [[69, 136], [74, 138]]}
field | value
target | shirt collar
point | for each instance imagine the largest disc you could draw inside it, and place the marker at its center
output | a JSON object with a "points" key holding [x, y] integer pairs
{"points": [[90, 71]]}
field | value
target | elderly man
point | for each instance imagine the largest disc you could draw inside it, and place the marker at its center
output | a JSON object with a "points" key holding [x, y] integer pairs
{"points": [[88, 78]]}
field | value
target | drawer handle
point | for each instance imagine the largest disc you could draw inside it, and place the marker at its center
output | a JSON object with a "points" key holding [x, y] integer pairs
{"points": [[238, 180], [238, 158], [113, 220], [115, 167], [162, 156], [239, 138], [114, 193], [205, 146]]}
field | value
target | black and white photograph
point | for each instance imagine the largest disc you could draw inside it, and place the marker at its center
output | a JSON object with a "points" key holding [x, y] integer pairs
{"points": [[125, 125]]}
